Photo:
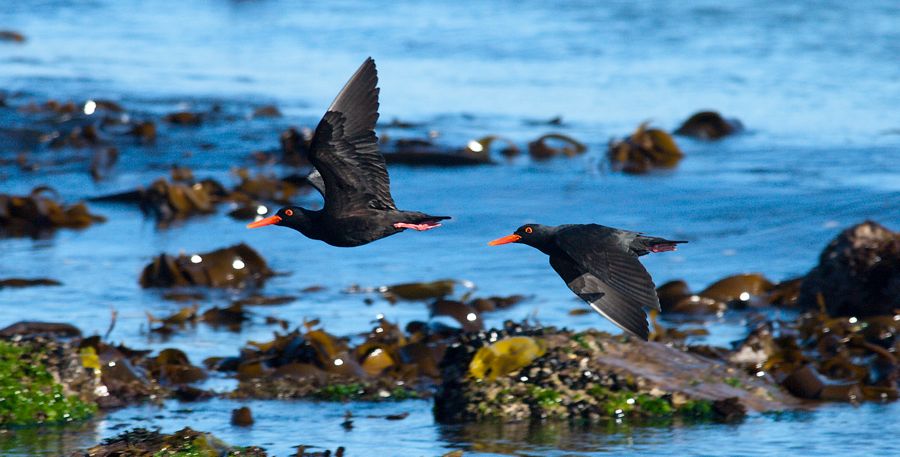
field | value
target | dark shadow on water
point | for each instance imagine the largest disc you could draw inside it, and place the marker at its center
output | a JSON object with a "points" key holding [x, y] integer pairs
{"points": [[522, 438]]}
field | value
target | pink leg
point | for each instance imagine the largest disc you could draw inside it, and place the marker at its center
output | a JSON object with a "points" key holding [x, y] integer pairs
{"points": [[662, 248], [419, 227]]}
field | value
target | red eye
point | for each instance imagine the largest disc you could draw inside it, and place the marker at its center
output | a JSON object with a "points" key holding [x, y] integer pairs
{"points": [[528, 229], [288, 212]]}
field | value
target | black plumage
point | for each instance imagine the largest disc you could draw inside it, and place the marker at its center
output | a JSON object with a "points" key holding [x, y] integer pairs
{"points": [[351, 174], [600, 264]]}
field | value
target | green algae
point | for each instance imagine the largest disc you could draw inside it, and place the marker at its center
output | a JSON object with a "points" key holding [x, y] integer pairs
{"points": [[545, 397], [359, 391], [29, 393], [697, 409]]}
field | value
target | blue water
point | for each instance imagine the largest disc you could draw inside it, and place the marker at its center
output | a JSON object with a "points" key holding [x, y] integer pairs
{"points": [[816, 83]]}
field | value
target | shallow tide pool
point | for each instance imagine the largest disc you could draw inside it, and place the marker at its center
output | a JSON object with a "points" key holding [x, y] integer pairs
{"points": [[816, 84]]}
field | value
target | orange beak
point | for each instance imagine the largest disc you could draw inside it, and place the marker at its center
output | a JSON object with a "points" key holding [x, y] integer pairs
{"points": [[505, 240], [264, 222]]}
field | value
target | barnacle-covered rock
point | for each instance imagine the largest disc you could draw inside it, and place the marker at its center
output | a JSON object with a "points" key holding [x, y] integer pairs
{"points": [[595, 376]]}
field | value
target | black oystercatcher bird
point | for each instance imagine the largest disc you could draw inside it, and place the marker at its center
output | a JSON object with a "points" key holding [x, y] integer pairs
{"points": [[600, 264], [351, 175]]}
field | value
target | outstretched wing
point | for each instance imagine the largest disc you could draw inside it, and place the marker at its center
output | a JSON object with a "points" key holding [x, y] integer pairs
{"points": [[605, 253], [344, 148], [602, 297]]}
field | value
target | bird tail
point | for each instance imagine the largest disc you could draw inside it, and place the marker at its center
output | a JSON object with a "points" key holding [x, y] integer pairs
{"points": [[647, 244], [430, 218]]}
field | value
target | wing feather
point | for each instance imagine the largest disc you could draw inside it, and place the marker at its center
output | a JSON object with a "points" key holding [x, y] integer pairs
{"points": [[602, 297], [345, 151], [602, 252]]}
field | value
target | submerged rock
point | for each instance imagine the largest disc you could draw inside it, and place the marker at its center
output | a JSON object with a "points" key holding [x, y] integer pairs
{"points": [[709, 125], [858, 273], [644, 150], [242, 417], [236, 266], [595, 376]]}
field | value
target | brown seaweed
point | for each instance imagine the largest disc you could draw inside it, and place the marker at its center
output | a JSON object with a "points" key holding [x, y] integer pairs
{"points": [[542, 148], [236, 266], [644, 150], [37, 213]]}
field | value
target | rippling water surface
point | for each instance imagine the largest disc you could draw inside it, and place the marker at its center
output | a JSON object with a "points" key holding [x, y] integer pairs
{"points": [[816, 83]]}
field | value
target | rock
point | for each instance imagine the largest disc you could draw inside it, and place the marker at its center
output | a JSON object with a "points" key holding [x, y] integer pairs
{"points": [[595, 376], [30, 328], [709, 125], [242, 417], [858, 274]]}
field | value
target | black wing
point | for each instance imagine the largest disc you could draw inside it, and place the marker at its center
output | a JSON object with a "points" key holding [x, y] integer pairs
{"points": [[344, 148], [602, 297]]}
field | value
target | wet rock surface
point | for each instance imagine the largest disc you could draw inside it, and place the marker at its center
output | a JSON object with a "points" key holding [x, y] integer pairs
{"points": [[858, 273], [595, 376]]}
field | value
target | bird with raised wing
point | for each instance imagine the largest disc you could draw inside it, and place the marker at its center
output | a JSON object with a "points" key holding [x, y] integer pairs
{"points": [[351, 175], [600, 264]]}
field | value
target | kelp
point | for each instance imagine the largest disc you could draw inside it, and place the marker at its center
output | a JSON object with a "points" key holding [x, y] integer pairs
{"points": [[555, 144], [236, 266], [40, 212], [644, 150]]}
